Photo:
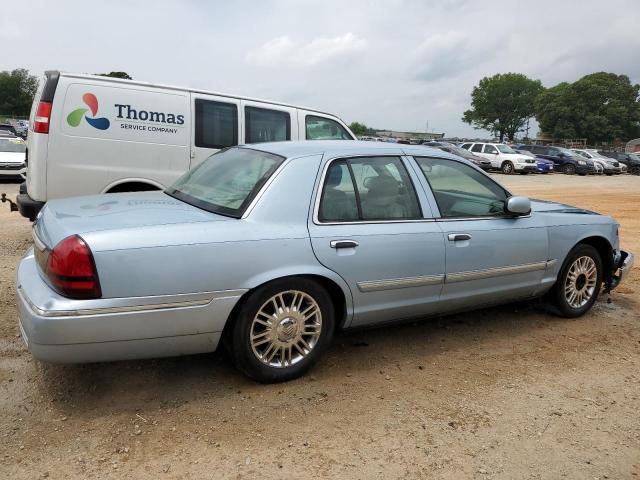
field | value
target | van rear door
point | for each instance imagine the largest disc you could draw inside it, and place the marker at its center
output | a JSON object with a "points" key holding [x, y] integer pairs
{"points": [[108, 133], [216, 125]]}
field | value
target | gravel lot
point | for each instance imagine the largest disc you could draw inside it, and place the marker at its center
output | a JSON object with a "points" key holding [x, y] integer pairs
{"points": [[508, 392]]}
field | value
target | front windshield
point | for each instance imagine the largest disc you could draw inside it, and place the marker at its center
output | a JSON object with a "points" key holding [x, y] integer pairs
{"points": [[505, 148], [12, 145], [227, 181]]}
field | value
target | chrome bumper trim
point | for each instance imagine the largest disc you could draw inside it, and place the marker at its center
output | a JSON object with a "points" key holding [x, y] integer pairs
{"points": [[134, 304]]}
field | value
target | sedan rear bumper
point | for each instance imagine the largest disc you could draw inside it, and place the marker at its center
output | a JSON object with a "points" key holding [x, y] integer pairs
{"points": [[59, 330]]}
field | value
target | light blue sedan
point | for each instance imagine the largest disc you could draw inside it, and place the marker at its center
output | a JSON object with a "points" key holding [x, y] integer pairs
{"points": [[271, 248]]}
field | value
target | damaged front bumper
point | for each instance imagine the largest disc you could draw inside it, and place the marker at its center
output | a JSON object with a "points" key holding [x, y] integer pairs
{"points": [[622, 264]]}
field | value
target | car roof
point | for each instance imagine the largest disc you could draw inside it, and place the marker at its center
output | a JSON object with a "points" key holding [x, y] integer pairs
{"points": [[333, 148]]}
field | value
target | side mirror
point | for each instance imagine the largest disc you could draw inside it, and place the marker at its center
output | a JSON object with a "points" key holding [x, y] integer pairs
{"points": [[518, 205]]}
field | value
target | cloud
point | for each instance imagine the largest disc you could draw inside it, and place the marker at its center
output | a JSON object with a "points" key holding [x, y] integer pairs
{"points": [[283, 51]]}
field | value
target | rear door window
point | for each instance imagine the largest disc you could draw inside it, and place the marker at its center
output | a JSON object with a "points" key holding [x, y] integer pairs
{"points": [[321, 128], [216, 124], [266, 125], [477, 148], [368, 189]]}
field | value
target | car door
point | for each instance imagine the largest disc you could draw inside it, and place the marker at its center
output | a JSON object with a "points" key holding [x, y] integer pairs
{"points": [[492, 153], [216, 125], [489, 255], [374, 228]]}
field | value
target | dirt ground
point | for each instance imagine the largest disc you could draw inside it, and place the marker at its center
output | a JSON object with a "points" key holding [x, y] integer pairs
{"points": [[509, 392]]}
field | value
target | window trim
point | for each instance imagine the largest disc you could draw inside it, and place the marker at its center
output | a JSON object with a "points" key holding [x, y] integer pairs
{"points": [[320, 190], [442, 218], [198, 132], [307, 115], [248, 108]]}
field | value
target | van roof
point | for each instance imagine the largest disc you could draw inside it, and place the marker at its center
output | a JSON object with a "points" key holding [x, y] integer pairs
{"points": [[173, 87]]}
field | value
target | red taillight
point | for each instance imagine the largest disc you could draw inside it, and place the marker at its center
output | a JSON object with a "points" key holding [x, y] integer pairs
{"points": [[71, 269], [43, 115]]}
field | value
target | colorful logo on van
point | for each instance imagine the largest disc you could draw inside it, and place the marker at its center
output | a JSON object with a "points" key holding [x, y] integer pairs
{"points": [[75, 117]]}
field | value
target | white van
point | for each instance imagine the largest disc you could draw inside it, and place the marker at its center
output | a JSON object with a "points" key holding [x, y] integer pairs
{"points": [[90, 134]]}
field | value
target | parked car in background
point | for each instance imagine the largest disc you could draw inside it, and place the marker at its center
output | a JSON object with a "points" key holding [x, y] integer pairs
{"points": [[542, 164], [91, 134], [503, 157], [481, 162], [630, 160], [271, 249], [7, 127], [610, 166], [12, 157], [564, 160], [6, 134]]}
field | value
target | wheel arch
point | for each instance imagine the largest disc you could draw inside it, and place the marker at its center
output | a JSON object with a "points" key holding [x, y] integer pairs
{"points": [[605, 249], [337, 289], [132, 185]]}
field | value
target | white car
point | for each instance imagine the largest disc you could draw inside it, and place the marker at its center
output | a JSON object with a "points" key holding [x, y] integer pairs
{"points": [[503, 157], [12, 157], [609, 165]]}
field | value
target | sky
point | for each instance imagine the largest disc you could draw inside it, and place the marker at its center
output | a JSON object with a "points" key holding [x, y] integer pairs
{"points": [[396, 64]]}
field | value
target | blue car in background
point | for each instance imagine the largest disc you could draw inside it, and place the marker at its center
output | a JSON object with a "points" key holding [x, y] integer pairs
{"points": [[542, 164]]}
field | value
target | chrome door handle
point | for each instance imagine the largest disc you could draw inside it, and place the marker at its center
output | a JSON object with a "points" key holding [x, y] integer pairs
{"points": [[459, 237], [343, 244]]}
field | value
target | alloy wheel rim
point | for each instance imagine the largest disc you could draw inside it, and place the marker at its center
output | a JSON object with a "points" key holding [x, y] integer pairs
{"points": [[507, 168], [286, 329], [580, 283]]}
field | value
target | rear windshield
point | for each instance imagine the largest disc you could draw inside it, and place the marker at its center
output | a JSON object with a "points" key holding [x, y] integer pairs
{"points": [[227, 181], [12, 145]]}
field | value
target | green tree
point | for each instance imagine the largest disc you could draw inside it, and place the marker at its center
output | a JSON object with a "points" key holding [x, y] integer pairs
{"points": [[17, 89], [503, 103], [358, 128], [599, 107], [124, 75]]}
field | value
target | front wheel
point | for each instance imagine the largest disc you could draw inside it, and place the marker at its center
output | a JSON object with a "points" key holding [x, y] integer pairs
{"points": [[281, 330], [507, 168], [579, 281], [569, 169]]}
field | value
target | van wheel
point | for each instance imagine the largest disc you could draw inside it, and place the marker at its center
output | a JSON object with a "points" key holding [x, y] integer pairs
{"points": [[579, 281], [507, 167], [281, 330]]}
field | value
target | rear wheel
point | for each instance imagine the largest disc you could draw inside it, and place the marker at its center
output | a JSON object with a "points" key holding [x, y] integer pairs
{"points": [[507, 167], [579, 281], [635, 171], [282, 329], [569, 169]]}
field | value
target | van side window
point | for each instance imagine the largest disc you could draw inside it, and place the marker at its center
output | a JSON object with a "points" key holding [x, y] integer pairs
{"points": [[321, 128], [263, 125], [216, 124]]}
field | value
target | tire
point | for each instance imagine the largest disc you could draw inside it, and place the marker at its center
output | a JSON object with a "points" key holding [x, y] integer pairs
{"points": [[507, 167], [284, 340], [569, 169], [577, 286], [635, 171]]}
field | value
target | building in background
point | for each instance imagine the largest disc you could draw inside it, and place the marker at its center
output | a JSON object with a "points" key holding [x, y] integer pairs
{"points": [[409, 136]]}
